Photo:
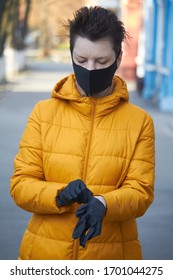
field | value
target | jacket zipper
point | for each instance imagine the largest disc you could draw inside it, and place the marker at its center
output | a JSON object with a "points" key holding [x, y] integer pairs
{"points": [[75, 250], [89, 140], [76, 241]]}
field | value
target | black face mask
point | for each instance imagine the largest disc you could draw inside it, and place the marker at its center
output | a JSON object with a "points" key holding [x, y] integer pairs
{"points": [[94, 81]]}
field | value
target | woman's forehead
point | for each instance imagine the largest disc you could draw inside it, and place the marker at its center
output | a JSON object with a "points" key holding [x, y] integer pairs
{"points": [[101, 47]]}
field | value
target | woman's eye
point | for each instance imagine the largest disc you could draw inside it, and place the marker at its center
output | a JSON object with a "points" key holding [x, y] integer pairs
{"points": [[102, 62], [81, 61]]}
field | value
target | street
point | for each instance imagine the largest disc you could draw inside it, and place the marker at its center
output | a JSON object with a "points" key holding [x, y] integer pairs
{"points": [[16, 102]]}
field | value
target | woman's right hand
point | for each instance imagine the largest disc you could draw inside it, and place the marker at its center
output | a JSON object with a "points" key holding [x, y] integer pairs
{"points": [[75, 191]]}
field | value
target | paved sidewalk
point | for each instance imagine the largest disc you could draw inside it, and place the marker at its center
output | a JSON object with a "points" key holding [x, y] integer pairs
{"points": [[156, 226], [16, 102]]}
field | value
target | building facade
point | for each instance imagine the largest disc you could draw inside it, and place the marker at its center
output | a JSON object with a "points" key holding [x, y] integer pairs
{"points": [[158, 57]]}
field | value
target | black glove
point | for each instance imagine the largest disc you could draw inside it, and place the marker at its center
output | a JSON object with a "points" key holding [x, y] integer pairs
{"points": [[90, 218], [76, 191]]}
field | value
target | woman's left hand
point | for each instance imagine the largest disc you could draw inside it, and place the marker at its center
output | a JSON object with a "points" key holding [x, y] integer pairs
{"points": [[90, 220]]}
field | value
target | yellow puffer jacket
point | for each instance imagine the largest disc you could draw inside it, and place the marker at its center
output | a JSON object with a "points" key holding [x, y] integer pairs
{"points": [[109, 144]]}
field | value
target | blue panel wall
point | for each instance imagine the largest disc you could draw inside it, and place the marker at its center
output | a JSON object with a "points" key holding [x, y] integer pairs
{"points": [[150, 58], [166, 90], [158, 79]]}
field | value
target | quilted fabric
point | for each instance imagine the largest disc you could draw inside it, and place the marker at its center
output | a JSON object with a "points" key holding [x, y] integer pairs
{"points": [[109, 144]]}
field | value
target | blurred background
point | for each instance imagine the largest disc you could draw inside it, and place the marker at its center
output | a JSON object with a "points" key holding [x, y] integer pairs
{"points": [[34, 55]]}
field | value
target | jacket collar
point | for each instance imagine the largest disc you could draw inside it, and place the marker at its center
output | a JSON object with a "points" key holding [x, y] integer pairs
{"points": [[66, 90]]}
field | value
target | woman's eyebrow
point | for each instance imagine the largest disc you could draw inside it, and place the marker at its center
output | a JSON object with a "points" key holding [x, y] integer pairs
{"points": [[100, 57], [80, 56]]}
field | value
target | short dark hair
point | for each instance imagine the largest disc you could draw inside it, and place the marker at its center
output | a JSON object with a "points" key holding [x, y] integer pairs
{"points": [[96, 23]]}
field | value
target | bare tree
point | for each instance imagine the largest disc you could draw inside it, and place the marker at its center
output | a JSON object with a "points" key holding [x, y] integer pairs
{"points": [[12, 27], [48, 17], [4, 23], [19, 23]]}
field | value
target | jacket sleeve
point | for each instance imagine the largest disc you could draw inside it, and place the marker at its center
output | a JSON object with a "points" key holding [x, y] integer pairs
{"points": [[28, 187], [136, 192]]}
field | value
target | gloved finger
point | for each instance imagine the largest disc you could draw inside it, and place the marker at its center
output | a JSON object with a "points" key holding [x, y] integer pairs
{"points": [[86, 195], [73, 193], [86, 235], [80, 227], [82, 186], [66, 195], [94, 231], [63, 200], [70, 195], [90, 194], [79, 198], [81, 193], [81, 211], [82, 239]]}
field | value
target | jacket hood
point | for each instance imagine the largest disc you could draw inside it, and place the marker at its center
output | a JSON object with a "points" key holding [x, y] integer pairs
{"points": [[66, 89]]}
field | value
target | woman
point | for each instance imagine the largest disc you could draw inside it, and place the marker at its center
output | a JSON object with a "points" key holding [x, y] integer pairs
{"points": [[85, 167]]}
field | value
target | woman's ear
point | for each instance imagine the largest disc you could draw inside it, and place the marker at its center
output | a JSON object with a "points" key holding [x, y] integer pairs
{"points": [[119, 58]]}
